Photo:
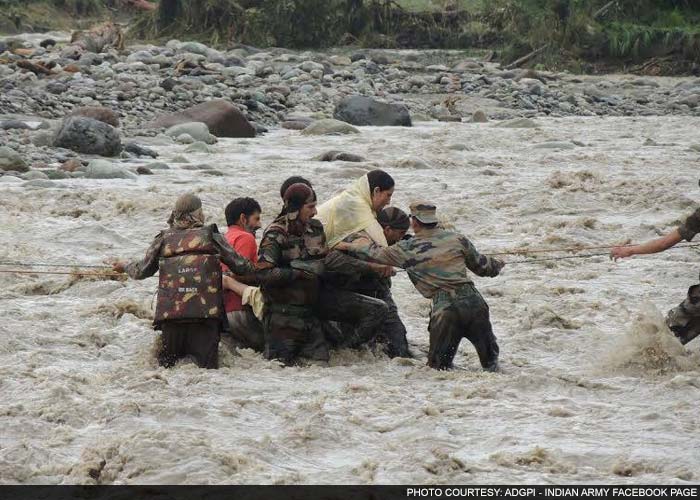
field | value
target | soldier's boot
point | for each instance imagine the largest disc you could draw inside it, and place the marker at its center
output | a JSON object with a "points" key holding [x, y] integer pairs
{"points": [[684, 319]]}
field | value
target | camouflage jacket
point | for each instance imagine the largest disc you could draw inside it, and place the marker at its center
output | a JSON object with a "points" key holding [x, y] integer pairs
{"points": [[691, 226], [148, 266], [436, 260], [366, 283], [284, 244]]}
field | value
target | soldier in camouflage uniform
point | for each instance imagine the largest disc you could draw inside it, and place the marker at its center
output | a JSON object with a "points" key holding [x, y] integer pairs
{"points": [[437, 262], [684, 319], [395, 224], [189, 309], [293, 260]]}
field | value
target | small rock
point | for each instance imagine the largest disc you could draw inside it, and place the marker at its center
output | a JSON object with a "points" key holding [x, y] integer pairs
{"points": [[340, 60], [295, 125], [56, 88], [102, 169], [518, 123], [479, 117], [99, 113], [10, 160], [329, 127], [33, 175], [414, 163], [143, 170], [184, 139], [56, 174], [14, 124], [339, 156], [136, 149], [168, 84], [196, 130]]}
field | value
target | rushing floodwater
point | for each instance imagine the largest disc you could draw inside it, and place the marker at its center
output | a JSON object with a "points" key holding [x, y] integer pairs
{"points": [[592, 390]]}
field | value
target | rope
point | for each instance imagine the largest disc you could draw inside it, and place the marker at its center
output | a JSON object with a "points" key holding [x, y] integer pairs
{"points": [[28, 264], [72, 273], [578, 249], [584, 256]]}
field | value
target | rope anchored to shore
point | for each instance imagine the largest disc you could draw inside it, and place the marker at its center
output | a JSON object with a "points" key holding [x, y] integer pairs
{"points": [[76, 269]]}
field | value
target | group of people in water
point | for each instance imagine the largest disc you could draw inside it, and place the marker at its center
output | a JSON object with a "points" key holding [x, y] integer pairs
{"points": [[321, 278]]}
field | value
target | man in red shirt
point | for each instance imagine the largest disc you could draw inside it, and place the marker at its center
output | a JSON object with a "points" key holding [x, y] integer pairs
{"points": [[243, 219]]}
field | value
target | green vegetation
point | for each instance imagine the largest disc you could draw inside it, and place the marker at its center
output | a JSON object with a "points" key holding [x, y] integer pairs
{"points": [[574, 34]]}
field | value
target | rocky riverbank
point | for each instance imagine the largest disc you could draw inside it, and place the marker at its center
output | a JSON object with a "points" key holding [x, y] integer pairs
{"points": [[121, 92]]}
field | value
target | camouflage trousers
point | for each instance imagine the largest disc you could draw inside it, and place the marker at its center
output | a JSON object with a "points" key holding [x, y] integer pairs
{"points": [[684, 319], [462, 314], [364, 314], [392, 331], [199, 339], [292, 332], [246, 330]]}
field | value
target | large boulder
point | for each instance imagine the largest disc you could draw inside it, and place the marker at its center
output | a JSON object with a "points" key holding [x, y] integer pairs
{"points": [[99, 113], [223, 119], [360, 110], [88, 136], [329, 127], [10, 160]]}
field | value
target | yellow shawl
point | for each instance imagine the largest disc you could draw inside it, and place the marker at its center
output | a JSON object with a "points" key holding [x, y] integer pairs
{"points": [[350, 212]]}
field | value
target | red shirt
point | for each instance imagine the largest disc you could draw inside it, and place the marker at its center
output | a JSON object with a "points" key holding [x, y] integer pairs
{"points": [[244, 243]]}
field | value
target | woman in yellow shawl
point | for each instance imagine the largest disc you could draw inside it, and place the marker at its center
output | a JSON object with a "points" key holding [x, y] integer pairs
{"points": [[356, 208]]}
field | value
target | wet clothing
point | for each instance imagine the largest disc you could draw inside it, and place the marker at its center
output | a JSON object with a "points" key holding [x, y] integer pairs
{"points": [[463, 314], [293, 259], [246, 329], [684, 319], [199, 339], [190, 288], [392, 330], [244, 244], [438, 263]]}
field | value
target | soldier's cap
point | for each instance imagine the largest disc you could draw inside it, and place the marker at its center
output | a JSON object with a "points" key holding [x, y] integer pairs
{"points": [[394, 218], [187, 203], [424, 211]]}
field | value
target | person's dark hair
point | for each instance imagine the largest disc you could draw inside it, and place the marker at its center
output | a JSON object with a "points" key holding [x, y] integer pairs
{"points": [[245, 206], [379, 179], [295, 179], [394, 218]]}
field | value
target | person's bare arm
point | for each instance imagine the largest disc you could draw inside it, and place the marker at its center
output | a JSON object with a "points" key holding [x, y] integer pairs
{"points": [[653, 246], [235, 286]]}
